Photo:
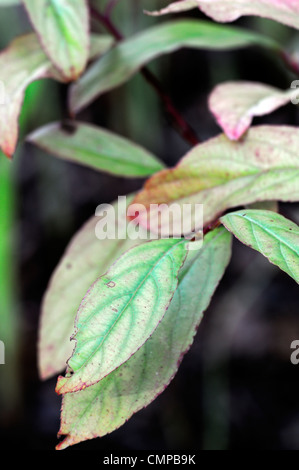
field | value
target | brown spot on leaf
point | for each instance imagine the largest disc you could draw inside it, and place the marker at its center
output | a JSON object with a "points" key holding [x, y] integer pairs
{"points": [[111, 284]]}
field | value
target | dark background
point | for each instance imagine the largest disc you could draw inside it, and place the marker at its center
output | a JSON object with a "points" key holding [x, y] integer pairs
{"points": [[236, 388]]}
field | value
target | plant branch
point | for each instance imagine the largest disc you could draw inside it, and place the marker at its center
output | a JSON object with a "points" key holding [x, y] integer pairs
{"points": [[176, 119], [106, 21], [110, 6]]}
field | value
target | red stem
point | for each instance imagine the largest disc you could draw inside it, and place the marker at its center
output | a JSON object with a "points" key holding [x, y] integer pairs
{"points": [[177, 120], [110, 6], [290, 62]]}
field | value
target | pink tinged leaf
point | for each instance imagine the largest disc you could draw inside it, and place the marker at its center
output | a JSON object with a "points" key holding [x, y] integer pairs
{"points": [[176, 7], [235, 104], [283, 11], [22, 63], [221, 174]]}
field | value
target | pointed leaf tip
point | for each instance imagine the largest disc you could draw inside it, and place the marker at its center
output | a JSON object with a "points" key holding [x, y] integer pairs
{"points": [[274, 236], [97, 148], [88, 258]]}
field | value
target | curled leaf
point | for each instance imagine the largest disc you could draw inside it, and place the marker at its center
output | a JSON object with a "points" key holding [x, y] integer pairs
{"points": [[235, 104], [283, 11]]}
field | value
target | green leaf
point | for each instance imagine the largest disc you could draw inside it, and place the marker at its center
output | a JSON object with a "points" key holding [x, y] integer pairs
{"points": [[283, 11], [10, 334], [99, 45], [104, 407], [235, 104], [21, 63], [85, 259], [121, 311], [276, 237], [97, 148], [63, 29], [120, 64], [221, 174]]}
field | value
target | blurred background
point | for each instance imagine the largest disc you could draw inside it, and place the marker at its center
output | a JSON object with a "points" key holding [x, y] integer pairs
{"points": [[236, 388]]}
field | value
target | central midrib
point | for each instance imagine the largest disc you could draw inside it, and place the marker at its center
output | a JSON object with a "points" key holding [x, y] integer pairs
{"points": [[274, 235], [127, 304]]}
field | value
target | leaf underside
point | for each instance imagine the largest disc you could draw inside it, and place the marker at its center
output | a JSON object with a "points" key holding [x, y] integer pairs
{"points": [[22, 63], [282, 11], [235, 104]]}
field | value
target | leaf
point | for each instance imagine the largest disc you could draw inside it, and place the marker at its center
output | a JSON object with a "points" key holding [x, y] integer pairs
{"points": [[283, 11], [221, 174], [235, 104], [99, 45], [124, 60], [176, 7], [85, 259], [121, 311], [20, 64], [276, 237], [63, 30], [96, 148], [104, 407]]}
